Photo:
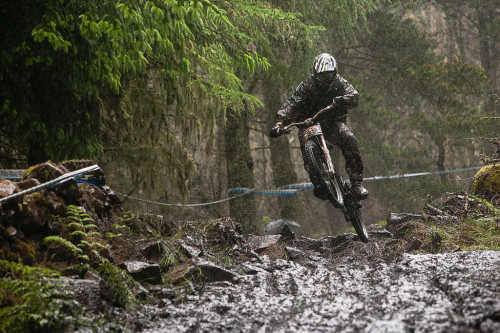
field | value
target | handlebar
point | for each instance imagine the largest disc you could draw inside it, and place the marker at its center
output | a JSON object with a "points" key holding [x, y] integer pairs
{"points": [[308, 121]]}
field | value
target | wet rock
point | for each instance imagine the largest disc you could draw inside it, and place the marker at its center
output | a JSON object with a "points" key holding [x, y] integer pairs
{"points": [[413, 244], [8, 188], [339, 240], [259, 243], [158, 222], [275, 251], [152, 252], [190, 250], [87, 293], [69, 191], [200, 270], [295, 253], [272, 227], [163, 292], [287, 235], [45, 172], [93, 197], [143, 272], [395, 220], [30, 183], [377, 231], [38, 209], [456, 292]]}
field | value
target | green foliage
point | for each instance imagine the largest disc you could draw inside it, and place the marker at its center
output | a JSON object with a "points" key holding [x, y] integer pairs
{"points": [[438, 238], [88, 248], [72, 56], [76, 251], [83, 243], [118, 282], [30, 302], [495, 211]]}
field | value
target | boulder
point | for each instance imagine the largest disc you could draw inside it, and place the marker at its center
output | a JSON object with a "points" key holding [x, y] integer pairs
{"points": [[200, 270], [8, 188], [24, 185], [95, 177], [395, 220], [38, 209], [45, 172], [275, 251], [272, 227], [86, 292], [259, 243], [143, 272], [487, 181], [287, 235]]}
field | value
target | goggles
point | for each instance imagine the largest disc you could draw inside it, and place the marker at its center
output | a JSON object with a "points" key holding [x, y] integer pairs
{"points": [[326, 76]]}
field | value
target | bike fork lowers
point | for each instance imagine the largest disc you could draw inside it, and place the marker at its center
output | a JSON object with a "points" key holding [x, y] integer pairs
{"points": [[331, 170]]}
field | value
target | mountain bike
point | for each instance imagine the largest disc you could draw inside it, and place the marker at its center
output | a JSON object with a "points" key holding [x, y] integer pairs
{"points": [[318, 157]]}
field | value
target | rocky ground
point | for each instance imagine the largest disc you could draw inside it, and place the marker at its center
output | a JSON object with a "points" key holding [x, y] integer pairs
{"points": [[431, 272]]}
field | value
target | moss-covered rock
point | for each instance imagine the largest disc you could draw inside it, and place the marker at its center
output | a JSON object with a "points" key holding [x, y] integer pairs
{"points": [[487, 181]]}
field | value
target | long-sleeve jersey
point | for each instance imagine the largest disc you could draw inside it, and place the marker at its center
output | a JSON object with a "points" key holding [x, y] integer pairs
{"points": [[312, 96]]}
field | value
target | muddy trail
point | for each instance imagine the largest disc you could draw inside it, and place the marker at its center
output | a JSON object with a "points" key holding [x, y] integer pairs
{"points": [[337, 284]]}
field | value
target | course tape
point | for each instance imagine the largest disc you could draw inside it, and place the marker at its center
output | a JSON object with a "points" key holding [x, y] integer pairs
{"points": [[407, 175], [51, 183], [282, 191]]}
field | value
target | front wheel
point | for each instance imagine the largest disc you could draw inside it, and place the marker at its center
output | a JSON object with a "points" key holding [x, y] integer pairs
{"points": [[317, 160]]}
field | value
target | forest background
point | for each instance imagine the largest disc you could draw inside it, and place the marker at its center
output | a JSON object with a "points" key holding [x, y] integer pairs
{"points": [[175, 99]]}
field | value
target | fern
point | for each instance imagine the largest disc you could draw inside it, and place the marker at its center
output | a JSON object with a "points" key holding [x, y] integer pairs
{"points": [[29, 301], [118, 281], [75, 250]]}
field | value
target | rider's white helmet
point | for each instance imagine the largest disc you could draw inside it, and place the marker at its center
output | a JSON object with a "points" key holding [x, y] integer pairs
{"points": [[325, 64]]}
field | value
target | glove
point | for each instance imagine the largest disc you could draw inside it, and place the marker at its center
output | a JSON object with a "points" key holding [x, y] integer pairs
{"points": [[277, 130]]}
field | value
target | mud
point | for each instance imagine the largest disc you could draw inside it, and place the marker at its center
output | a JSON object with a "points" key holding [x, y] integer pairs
{"points": [[315, 292]]}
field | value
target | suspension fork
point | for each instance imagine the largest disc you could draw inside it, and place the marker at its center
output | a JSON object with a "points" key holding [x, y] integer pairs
{"points": [[331, 169]]}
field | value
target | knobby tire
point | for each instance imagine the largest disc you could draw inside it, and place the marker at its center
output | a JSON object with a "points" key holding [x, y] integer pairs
{"points": [[352, 210], [352, 214], [317, 161]]}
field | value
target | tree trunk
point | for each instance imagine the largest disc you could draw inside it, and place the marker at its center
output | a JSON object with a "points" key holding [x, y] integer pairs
{"points": [[239, 166], [441, 159], [281, 161], [488, 54]]}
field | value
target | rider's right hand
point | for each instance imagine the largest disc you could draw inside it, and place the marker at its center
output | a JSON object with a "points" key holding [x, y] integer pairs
{"points": [[277, 130]]}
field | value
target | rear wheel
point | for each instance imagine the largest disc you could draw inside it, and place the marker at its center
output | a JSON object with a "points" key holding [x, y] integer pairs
{"points": [[352, 213], [316, 159]]}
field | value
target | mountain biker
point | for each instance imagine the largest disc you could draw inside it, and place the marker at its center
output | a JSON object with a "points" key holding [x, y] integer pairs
{"points": [[325, 87]]}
